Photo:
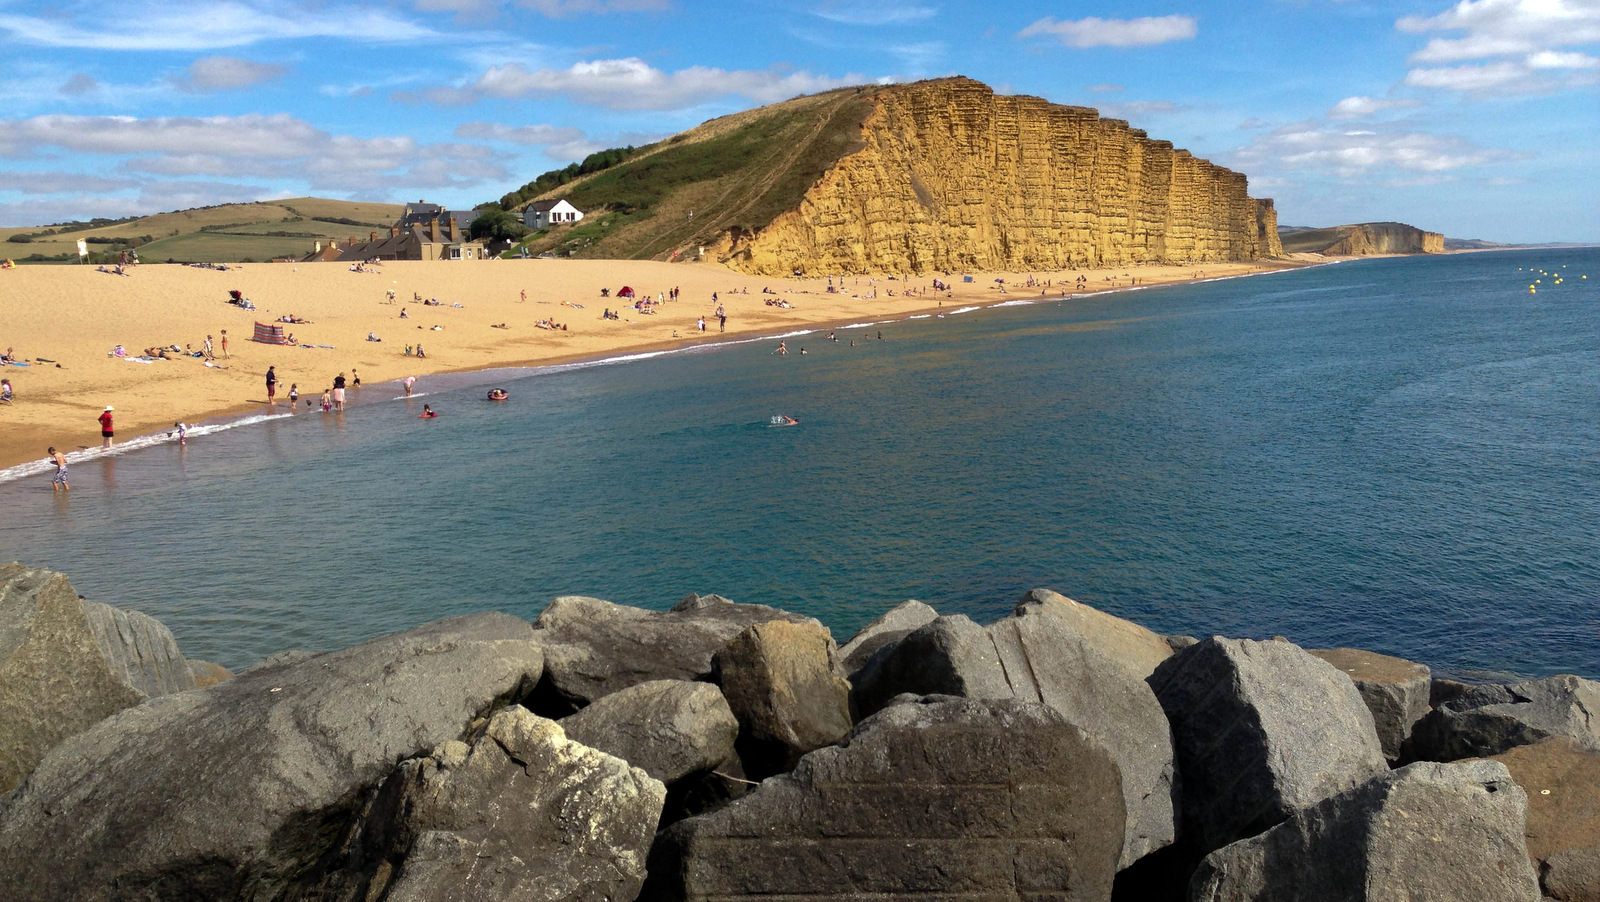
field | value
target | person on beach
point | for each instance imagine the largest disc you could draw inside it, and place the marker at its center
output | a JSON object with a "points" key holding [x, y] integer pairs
{"points": [[59, 484], [6, 391], [294, 395], [355, 378], [106, 432], [182, 432], [524, 295], [272, 387], [338, 392], [224, 342], [206, 349], [419, 350], [327, 400], [409, 381], [702, 324]]}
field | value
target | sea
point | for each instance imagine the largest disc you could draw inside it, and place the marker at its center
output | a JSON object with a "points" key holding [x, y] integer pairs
{"points": [[1397, 455]]}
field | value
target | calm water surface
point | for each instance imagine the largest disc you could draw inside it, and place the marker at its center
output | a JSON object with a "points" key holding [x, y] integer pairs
{"points": [[1394, 454]]}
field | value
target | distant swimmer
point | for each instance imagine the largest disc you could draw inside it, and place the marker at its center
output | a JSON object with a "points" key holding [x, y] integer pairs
{"points": [[498, 394], [781, 420], [783, 348], [427, 413]]}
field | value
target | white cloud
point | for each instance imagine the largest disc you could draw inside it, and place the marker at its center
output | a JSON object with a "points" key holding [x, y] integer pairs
{"points": [[556, 9], [465, 10], [531, 135], [633, 84], [1360, 152], [225, 73], [1551, 59], [847, 12], [60, 182], [1509, 77], [1096, 32], [1132, 109], [1105, 89], [205, 26], [1501, 27], [1361, 107]]}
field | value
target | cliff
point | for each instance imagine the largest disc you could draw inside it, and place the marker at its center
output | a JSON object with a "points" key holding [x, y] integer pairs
{"points": [[953, 176], [1364, 239], [936, 175]]}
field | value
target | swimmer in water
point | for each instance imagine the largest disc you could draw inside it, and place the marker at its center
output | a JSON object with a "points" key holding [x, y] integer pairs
{"points": [[427, 413]]}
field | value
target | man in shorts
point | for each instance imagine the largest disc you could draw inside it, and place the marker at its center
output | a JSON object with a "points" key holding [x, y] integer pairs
{"points": [[272, 386], [60, 460], [106, 431]]}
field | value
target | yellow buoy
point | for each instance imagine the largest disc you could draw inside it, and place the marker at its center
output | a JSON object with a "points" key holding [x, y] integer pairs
{"points": [[1531, 291]]}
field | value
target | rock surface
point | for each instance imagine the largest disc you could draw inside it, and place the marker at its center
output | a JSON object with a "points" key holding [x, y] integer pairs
{"points": [[930, 798], [139, 649], [594, 648], [208, 674], [241, 790], [955, 177], [1363, 239], [526, 815], [1425, 833], [1396, 691], [779, 681], [1261, 729], [1086, 664], [1488, 720], [669, 728], [54, 680], [893, 626], [1562, 781]]}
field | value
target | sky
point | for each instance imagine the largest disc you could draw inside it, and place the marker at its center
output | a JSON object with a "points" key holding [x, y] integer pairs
{"points": [[1477, 118]]}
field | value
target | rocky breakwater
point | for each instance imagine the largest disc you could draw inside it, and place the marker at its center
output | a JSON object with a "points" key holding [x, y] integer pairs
{"points": [[954, 176], [723, 751]]}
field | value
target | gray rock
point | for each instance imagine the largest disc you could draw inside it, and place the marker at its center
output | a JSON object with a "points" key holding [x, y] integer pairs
{"points": [[1572, 876], [1088, 665], [893, 626], [1562, 781], [239, 791], [1425, 833], [930, 798], [526, 815], [594, 648], [1261, 729], [1395, 690], [1442, 692], [1179, 643], [1488, 720], [140, 650], [779, 680], [54, 680], [208, 674], [694, 602], [670, 728]]}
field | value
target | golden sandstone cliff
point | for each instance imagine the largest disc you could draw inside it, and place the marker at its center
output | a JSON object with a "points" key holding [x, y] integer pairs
{"points": [[1365, 239], [953, 176]]}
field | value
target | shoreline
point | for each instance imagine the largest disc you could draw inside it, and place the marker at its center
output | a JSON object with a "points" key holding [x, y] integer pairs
{"points": [[18, 462]]}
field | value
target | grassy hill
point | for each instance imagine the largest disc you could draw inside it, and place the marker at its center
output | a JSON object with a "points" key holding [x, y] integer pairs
{"points": [[230, 233], [736, 172]]}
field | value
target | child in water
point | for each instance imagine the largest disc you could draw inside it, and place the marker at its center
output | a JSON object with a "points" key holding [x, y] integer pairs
{"points": [[327, 400], [294, 394], [427, 413]]}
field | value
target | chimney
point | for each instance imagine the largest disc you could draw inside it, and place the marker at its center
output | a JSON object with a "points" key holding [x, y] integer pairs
{"points": [[433, 228], [352, 241], [374, 237], [319, 248], [394, 231]]}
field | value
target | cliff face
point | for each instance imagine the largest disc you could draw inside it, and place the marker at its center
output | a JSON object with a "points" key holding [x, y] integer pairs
{"points": [[1365, 239], [952, 176]]}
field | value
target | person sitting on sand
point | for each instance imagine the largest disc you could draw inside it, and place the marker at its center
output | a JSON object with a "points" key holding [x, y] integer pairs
{"points": [[6, 392], [419, 350], [373, 336]]}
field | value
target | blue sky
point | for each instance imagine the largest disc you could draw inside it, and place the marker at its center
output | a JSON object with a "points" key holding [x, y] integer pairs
{"points": [[1478, 118]]}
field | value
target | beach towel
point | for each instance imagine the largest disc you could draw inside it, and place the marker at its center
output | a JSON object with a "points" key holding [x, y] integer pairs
{"points": [[270, 334]]}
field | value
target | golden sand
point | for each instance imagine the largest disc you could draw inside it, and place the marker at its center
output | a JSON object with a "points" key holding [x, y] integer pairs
{"points": [[72, 316]]}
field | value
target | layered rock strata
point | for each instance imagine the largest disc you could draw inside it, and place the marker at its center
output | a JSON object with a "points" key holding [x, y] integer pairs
{"points": [[1364, 240], [953, 176]]}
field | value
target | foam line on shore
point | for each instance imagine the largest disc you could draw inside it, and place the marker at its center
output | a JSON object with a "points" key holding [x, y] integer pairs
{"points": [[138, 443]]}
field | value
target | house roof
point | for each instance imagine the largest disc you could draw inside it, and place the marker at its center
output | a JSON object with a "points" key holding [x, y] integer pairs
{"points": [[545, 206]]}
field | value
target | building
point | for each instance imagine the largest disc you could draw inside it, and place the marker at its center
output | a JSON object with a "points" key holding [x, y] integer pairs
{"points": [[424, 232], [545, 213]]}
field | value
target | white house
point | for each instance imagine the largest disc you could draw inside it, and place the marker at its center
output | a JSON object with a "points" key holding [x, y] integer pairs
{"points": [[542, 213]]}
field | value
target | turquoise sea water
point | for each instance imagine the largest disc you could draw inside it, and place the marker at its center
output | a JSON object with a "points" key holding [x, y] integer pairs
{"points": [[1394, 454]]}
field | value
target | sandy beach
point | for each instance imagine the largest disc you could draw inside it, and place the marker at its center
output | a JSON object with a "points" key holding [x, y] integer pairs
{"points": [[66, 320]]}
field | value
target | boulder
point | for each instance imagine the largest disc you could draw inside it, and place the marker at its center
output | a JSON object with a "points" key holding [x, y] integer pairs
{"points": [[671, 729], [1488, 720], [1087, 665], [1442, 691], [527, 815], [1396, 691], [594, 648], [208, 674], [54, 680], [1261, 730], [1562, 781], [1424, 833], [930, 798], [779, 680], [140, 650], [246, 788], [886, 630]]}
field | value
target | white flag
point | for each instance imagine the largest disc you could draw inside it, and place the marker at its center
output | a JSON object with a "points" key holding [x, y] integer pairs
{"points": [[83, 248]]}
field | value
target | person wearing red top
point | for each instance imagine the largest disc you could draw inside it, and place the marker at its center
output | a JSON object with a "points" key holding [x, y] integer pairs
{"points": [[105, 427]]}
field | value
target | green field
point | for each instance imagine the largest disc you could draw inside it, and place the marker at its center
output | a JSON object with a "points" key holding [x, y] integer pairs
{"points": [[230, 233]]}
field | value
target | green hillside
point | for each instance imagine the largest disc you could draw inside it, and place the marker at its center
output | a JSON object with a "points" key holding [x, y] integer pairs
{"points": [[230, 233], [737, 172]]}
